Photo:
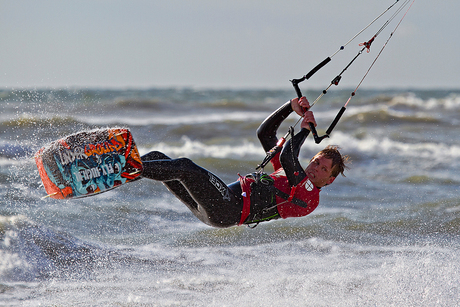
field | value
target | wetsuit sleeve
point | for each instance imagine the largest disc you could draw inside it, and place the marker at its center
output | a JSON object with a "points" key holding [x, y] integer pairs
{"points": [[289, 158], [267, 130]]}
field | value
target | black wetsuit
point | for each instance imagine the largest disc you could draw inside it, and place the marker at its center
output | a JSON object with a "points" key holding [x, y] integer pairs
{"points": [[207, 196]]}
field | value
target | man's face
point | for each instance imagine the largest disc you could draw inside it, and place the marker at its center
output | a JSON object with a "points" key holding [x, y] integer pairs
{"points": [[319, 171]]}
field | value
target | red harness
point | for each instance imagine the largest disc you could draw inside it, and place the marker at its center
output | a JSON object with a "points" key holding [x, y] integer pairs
{"points": [[297, 201]]}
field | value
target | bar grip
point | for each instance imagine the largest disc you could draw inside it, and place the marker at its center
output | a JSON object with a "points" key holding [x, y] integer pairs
{"points": [[317, 67], [336, 120], [313, 131], [295, 82]]}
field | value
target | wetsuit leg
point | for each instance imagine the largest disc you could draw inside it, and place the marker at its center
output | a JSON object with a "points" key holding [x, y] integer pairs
{"points": [[174, 186], [216, 204]]}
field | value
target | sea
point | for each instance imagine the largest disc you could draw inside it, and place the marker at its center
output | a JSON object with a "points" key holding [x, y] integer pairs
{"points": [[387, 234]]}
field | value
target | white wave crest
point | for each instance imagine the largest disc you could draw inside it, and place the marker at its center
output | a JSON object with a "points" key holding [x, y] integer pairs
{"points": [[187, 119], [450, 102], [192, 148], [385, 146]]}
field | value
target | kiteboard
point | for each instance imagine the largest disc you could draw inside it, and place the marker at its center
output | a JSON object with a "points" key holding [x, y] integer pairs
{"points": [[88, 162]]}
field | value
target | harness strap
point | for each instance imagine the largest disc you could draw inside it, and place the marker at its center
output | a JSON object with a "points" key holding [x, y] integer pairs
{"points": [[291, 195], [293, 200], [246, 188]]}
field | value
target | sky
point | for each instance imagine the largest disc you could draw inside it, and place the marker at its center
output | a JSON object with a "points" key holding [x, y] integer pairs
{"points": [[224, 44]]}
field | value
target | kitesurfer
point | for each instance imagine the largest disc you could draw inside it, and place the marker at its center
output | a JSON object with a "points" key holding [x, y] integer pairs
{"points": [[290, 191]]}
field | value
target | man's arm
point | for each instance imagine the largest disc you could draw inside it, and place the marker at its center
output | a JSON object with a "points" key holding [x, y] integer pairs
{"points": [[289, 155], [267, 130], [289, 158]]}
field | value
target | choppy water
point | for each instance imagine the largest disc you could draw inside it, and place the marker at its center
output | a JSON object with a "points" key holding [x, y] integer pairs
{"points": [[386, 235]]}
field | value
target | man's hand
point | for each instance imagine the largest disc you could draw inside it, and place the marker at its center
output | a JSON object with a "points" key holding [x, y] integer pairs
{"points": [[300, 105], [308, 118]]}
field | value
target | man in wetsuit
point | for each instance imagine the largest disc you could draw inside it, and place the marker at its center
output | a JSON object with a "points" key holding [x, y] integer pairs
{"points": [[290, 191]]}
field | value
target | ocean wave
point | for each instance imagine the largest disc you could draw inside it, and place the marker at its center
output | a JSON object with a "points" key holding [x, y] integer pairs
{"points": [[31, 252], [36, 121], [383, 113], [368, 144], [136, 103], [424, 179], [193, 148], [11, 151], [405, 108], [376, 145], [449, 102], [174, 119], [156, 104]]}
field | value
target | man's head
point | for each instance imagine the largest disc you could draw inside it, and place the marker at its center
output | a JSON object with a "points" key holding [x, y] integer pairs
{"points": [[326, 165]]}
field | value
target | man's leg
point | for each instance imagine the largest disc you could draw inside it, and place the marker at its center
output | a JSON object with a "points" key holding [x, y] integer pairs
{"points": [[174, 185], [216, 204]]}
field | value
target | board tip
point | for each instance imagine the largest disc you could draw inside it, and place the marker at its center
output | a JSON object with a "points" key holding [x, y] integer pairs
{"points": [[49, 195]]}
